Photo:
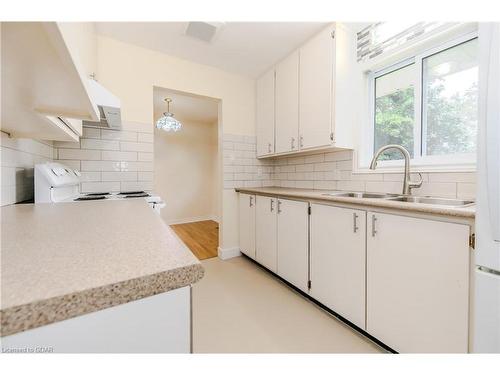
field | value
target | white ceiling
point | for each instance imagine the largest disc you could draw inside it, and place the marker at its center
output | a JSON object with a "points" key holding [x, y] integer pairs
{"points": [[185, 107], [247, 48]]}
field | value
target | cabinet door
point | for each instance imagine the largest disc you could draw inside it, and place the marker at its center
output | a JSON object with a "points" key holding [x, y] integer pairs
{"points": [[265, 114], [247, 224], [338, 260], [265, 251], [287, 104], [417, 283], [293, 230], [316, 90]]}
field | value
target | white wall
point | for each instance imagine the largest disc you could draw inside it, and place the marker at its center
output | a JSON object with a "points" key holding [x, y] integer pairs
{"points": [[131, 72], [186, 172]]}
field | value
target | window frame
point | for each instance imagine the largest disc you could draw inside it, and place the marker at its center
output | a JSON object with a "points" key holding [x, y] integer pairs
{"points": [[420, 161]]}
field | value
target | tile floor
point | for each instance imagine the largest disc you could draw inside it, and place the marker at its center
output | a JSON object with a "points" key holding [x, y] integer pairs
{"points": [[240, 308]]}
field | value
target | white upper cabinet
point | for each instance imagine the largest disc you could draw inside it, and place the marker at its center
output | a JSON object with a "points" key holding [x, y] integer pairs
{"points": [[42, 77], [287, 104], [316, 90], [265, 114], [316, 98]]}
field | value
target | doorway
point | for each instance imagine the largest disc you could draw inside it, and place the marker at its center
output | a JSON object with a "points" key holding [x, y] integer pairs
{"points": [[187, 169]]}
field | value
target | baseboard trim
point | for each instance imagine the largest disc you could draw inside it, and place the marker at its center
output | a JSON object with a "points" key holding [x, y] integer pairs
{"points": [[193, 219], [229, 253]]}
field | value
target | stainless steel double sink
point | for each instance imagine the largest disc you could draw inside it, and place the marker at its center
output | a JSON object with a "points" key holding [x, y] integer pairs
{"points": [[404, 198]]}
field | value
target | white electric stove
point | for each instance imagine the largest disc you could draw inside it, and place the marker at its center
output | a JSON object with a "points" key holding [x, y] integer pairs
{"points": [[56, 183]]}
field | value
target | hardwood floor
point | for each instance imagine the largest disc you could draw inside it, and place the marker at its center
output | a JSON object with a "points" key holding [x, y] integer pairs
{"points": [[201, 237]]}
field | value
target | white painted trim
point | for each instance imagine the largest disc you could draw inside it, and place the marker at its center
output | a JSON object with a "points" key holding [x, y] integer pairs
{"points": [[229, 253], [193, 219]]}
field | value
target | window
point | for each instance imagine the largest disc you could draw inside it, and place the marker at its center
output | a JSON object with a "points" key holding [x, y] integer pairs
{"points": [[429, 105]]}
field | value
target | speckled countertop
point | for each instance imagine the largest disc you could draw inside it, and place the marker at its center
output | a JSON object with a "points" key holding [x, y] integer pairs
{"points": [[467, 212], [63, 260]]}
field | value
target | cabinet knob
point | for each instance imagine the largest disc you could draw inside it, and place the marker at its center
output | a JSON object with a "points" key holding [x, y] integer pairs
{"points": [[251, 201], [279, 206], [293, 143], [269, 147], [272, 205], [301, 144]]}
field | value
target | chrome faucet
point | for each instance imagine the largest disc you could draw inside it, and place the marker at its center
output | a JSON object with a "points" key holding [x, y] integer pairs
{"points": [[407, 183]]}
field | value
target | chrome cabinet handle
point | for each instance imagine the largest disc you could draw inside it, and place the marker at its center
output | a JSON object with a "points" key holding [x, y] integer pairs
{"points": [[279, 206], [269, 148], [355, 222], [293, 143], [374, 231], [301, 141], [272, 205], [251, 201]]}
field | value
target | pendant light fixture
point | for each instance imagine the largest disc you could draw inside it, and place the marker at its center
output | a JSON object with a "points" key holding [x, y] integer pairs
{"points": [[167, 122]]}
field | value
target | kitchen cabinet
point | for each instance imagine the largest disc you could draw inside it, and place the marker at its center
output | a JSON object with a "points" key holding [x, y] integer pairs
{"points": [[317, 93], [266, 232], [44, 90], [287, 104], [417, 283], [316, 90], [247, 224], [338, 260], [293, 238], [265, 114]]}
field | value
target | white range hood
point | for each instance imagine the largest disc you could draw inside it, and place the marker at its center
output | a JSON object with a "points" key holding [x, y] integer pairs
{"points": [[108, 104]]}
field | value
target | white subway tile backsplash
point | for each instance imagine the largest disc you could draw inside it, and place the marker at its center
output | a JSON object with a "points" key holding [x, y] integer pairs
{"points": [[112, 160], [119, 176], [145, 137], [145, 176], [99, 165], [74, 154], [120, 135], [145, 156], [91, 133], [60, 144], [119, 155], [99, 144], [90, 176], [466, 190], [89, 187], [136, 146]]}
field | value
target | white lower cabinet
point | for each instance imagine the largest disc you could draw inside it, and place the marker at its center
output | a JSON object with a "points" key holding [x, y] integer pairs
{"points": [[266, 232], [338, 260], [247, 224], [404, 280], [417, 283], [293, 237]]}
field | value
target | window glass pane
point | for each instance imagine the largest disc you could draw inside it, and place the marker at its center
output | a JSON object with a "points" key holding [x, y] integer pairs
{"points": [[450, 96], [395, 111]]}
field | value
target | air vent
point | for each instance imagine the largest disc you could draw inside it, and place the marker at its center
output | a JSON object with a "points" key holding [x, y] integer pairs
{"points": [[205, 31]]}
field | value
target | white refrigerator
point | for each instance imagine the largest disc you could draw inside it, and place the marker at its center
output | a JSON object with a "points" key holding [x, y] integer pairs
{"points": [[486, 328]]}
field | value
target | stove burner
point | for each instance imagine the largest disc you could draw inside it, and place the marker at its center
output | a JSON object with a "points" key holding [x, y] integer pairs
{"points": [[137, 195], [132, 192], [90, 198], [94, 194]]}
